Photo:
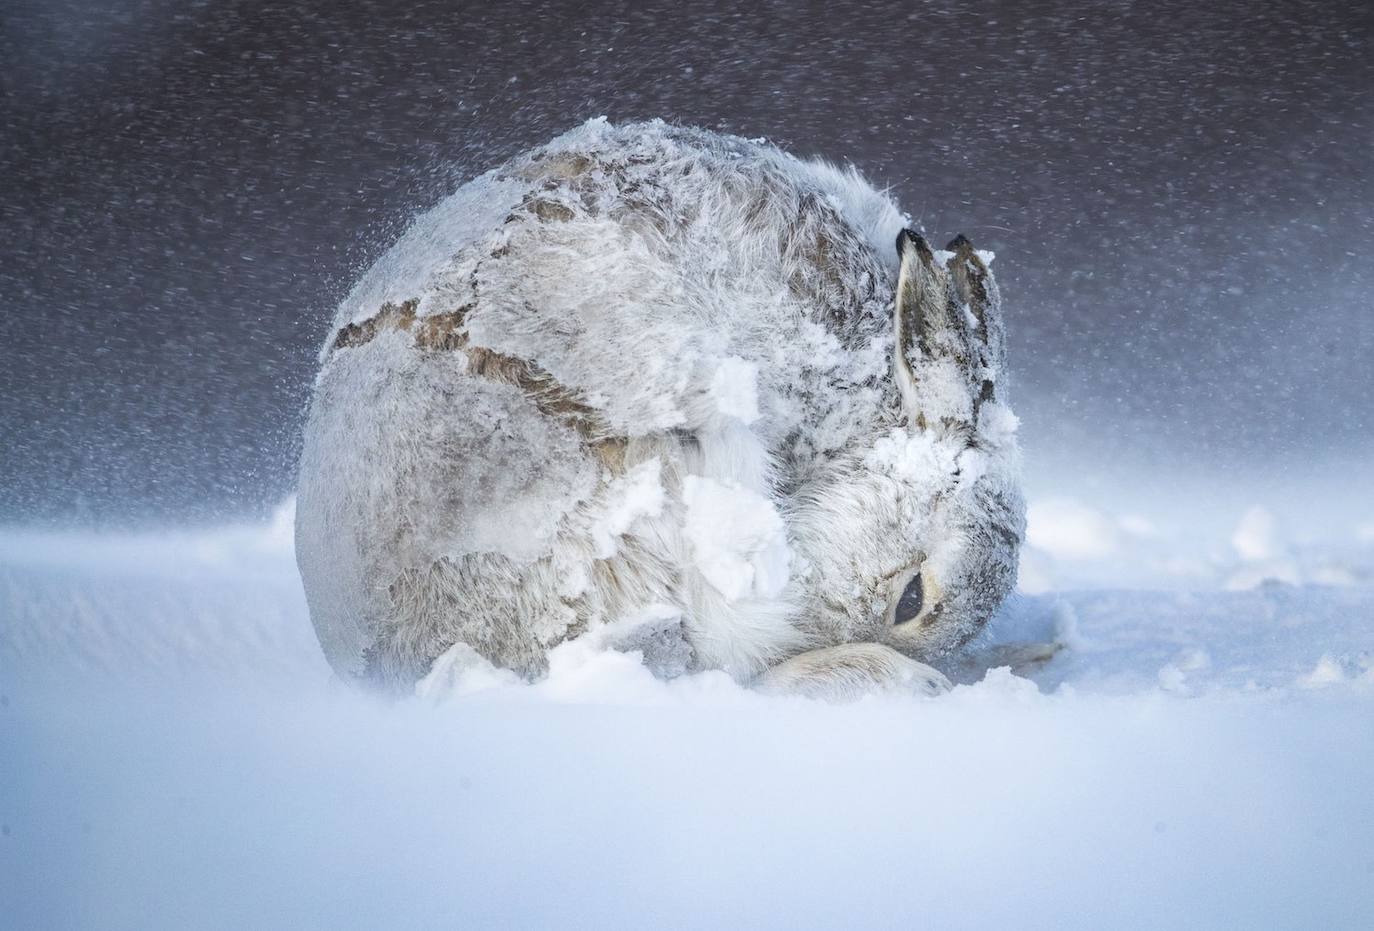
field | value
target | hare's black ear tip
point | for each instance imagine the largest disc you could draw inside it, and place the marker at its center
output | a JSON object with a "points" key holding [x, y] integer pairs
{"points": [[914, 238], [958, 243]]}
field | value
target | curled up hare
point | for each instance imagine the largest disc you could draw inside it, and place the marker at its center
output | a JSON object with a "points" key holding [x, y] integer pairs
{"points": [[676, 391]]}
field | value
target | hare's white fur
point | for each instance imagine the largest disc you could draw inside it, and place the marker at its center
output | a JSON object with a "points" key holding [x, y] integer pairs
{"points": [[646, 366]]}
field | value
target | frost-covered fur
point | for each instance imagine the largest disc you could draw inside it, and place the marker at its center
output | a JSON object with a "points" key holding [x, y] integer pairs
{"points": [[646, 372]]}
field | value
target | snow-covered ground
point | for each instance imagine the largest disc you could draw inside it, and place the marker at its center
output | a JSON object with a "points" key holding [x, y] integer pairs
{"points": [[174, 753]]}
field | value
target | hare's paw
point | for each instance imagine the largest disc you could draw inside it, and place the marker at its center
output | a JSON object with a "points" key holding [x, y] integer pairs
{"points": [[950, 343], [850, 671]]}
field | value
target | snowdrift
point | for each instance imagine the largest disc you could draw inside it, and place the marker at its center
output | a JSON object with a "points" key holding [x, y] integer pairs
{"points": [[174, 753]]}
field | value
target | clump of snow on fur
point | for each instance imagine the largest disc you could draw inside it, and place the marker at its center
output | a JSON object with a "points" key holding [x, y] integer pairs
{"points": [[637, 494], [914, 456], [575, 580], [997, 424], [738, 539], [735, 391]]}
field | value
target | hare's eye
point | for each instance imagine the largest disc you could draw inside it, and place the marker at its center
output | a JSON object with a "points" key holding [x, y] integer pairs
{"points": [[909, 605]]}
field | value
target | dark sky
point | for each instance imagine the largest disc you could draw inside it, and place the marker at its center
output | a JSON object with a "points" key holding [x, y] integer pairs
{"points": [[1180, 195]]}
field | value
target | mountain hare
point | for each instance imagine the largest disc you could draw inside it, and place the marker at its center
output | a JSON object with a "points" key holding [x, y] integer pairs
{"points": [[672, 389]]}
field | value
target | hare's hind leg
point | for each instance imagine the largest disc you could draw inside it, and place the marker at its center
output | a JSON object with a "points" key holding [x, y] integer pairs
{"points": [[436, 480], [850, 671], [504, 611]]}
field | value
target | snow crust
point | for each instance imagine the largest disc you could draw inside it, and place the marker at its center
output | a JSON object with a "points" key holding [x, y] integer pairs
{"points": [[176, 754]]}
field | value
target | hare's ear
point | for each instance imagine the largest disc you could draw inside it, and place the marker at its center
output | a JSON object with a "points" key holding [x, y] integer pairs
{"points": [[977, 290], [946, 326], [921, 314]]}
